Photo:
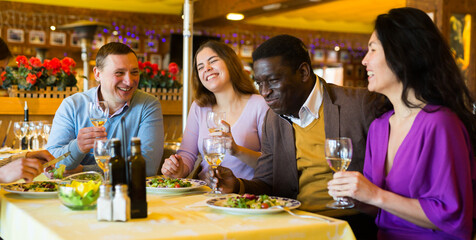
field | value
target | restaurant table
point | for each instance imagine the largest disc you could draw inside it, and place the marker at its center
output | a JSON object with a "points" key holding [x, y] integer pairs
{"points": [[178, 216]]}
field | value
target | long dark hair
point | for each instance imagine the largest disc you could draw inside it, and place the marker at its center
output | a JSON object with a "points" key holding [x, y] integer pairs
{"points": [[422, 60], [240, 80]]}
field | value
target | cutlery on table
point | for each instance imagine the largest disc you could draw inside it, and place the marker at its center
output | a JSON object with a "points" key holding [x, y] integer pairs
{"points": [[54, 161], [286, 209]]}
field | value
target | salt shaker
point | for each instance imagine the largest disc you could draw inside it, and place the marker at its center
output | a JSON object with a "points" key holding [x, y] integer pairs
{"points": [[104, 203], [121, 204]]}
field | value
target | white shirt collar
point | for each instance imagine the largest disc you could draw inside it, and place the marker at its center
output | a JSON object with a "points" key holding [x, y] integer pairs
{"points": [[310, 109]]}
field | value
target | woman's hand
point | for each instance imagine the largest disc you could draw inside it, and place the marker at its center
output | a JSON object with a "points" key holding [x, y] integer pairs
{"points": [[23, 168], [231, 145], [174, 167], [354, 185]]}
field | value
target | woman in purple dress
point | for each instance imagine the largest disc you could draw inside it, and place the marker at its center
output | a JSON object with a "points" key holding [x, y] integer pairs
{"points": [[419, 172]]}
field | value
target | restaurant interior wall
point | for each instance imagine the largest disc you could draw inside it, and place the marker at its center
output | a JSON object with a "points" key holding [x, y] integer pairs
{"points": [[158, 28]]}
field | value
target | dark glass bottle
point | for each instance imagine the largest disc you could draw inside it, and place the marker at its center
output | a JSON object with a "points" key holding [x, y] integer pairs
{"points": [[117, 164], [137, 175], [24, 140]]}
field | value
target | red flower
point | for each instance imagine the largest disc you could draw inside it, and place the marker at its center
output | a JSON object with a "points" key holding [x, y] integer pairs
{"points": [[141, 65], [173, 68], [3, 77], [66, 64], [147, 64], [38, 74], [35, 62], [162, 72], [155, 67], [31, 79], [22, 61], [174, 78], [54, 65]]}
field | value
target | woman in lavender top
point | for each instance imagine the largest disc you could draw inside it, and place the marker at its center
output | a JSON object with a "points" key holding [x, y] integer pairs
{"points": [[419, 164], [221, 85]]}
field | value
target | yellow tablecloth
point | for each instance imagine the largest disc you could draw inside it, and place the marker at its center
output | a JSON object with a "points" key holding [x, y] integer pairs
{"points": [[170, 217]]}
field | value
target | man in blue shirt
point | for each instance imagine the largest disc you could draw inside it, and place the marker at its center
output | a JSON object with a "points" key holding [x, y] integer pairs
{"points": [[117, 71]]}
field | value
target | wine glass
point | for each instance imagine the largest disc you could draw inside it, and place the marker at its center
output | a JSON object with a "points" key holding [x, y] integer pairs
{"points": [[214, 150], [102, 156], [98, 113], [214, 122], [20, 129], [34, 142], [46, 131], [39, 129], [338, 153]]}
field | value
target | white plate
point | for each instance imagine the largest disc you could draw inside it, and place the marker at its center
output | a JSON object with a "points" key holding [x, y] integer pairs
{"points": [[219, 203], [31, 193], [195, 184]]}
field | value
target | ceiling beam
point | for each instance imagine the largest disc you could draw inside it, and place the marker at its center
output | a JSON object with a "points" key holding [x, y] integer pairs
{"points": [[215, 10]]}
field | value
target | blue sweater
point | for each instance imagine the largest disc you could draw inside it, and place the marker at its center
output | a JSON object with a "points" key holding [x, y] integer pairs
{"points": [[143, 118]]}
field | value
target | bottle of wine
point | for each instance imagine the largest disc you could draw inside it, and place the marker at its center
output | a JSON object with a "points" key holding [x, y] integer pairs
{"points": [[24, 140], [117, 164], [137, 175]]}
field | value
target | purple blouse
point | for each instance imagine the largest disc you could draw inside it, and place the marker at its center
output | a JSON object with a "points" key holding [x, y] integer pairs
{"points": [[435, 165], [246, 132]]}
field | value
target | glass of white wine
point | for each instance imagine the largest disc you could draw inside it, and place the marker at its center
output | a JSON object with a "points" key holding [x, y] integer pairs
{"points": [[214, 122], [338, 153], [102, 156], [98, 113], [214, 149]]}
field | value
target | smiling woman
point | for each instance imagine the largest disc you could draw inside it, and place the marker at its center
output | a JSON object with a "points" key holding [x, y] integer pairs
{"points": [[222, 85]]}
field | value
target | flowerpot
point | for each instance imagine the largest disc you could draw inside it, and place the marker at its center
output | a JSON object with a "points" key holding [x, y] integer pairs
{"points": [[164, 94], [3, 93], [49, 92]]}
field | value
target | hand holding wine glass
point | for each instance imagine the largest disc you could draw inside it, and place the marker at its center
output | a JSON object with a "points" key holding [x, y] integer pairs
{"points": [[338, 153], [214, 149], [98, 113]]}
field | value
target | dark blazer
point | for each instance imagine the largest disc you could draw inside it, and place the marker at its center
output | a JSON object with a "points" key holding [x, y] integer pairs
{"points": [[348, 112]]}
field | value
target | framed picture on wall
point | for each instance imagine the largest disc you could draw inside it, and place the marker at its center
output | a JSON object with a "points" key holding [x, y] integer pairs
{"points": [[318, 55], [246, 50], [37, 37], [141, 57], [134, 44], [151, 45], [344, 56], [331, 56], [58, 38], [15, 35], [98, 41], [75, 40]]}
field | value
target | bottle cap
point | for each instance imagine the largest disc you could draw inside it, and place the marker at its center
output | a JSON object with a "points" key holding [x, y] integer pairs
{"points": [[115, 141], [121, 187], [135, 141], [106, 188]]}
